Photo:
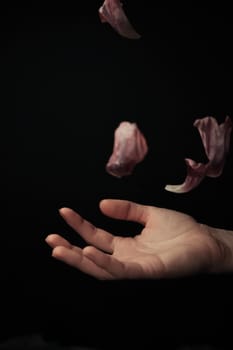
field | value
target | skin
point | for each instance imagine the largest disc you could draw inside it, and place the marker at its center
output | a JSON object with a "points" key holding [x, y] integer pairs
{"points": [[171, 244]]}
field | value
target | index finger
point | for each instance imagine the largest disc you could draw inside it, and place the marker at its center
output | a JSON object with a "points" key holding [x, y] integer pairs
{"points": [[95, 236]]}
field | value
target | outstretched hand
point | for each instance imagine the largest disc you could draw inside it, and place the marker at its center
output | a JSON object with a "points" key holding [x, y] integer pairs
{"points": [[171, 244]]}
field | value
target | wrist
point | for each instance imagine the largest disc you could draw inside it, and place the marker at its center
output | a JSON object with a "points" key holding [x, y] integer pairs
{"points": [[224, 240]]}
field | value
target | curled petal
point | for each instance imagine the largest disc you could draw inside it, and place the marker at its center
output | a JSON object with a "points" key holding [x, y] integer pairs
{"points": [[130, 147], [195, 174], [112, 12], [216, 142]]}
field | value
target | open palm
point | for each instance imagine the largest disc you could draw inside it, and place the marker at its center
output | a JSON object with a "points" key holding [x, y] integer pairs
{"points": [[170, 244]]}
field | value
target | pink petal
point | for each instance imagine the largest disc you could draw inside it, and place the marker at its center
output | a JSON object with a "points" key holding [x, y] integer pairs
{"points": [[195, 174], [216, 142], [130, 148], [111, 11]]}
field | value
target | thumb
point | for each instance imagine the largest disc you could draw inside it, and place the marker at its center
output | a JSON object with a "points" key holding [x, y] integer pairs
{"points": [[125, 210]]}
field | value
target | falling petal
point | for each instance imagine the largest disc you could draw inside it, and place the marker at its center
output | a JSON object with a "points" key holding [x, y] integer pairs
{"points": [[130, 148], [216, 142], [195, 174], [112, 12]]}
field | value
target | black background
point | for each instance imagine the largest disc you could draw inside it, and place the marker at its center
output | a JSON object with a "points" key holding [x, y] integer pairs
{"points": [[72, 81]]}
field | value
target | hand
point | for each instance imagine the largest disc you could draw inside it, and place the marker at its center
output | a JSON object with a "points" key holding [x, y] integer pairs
{"points": [[171, 244]]}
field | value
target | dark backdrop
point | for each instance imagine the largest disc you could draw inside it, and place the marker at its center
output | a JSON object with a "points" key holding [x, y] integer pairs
{"points": [[72, 81]]}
